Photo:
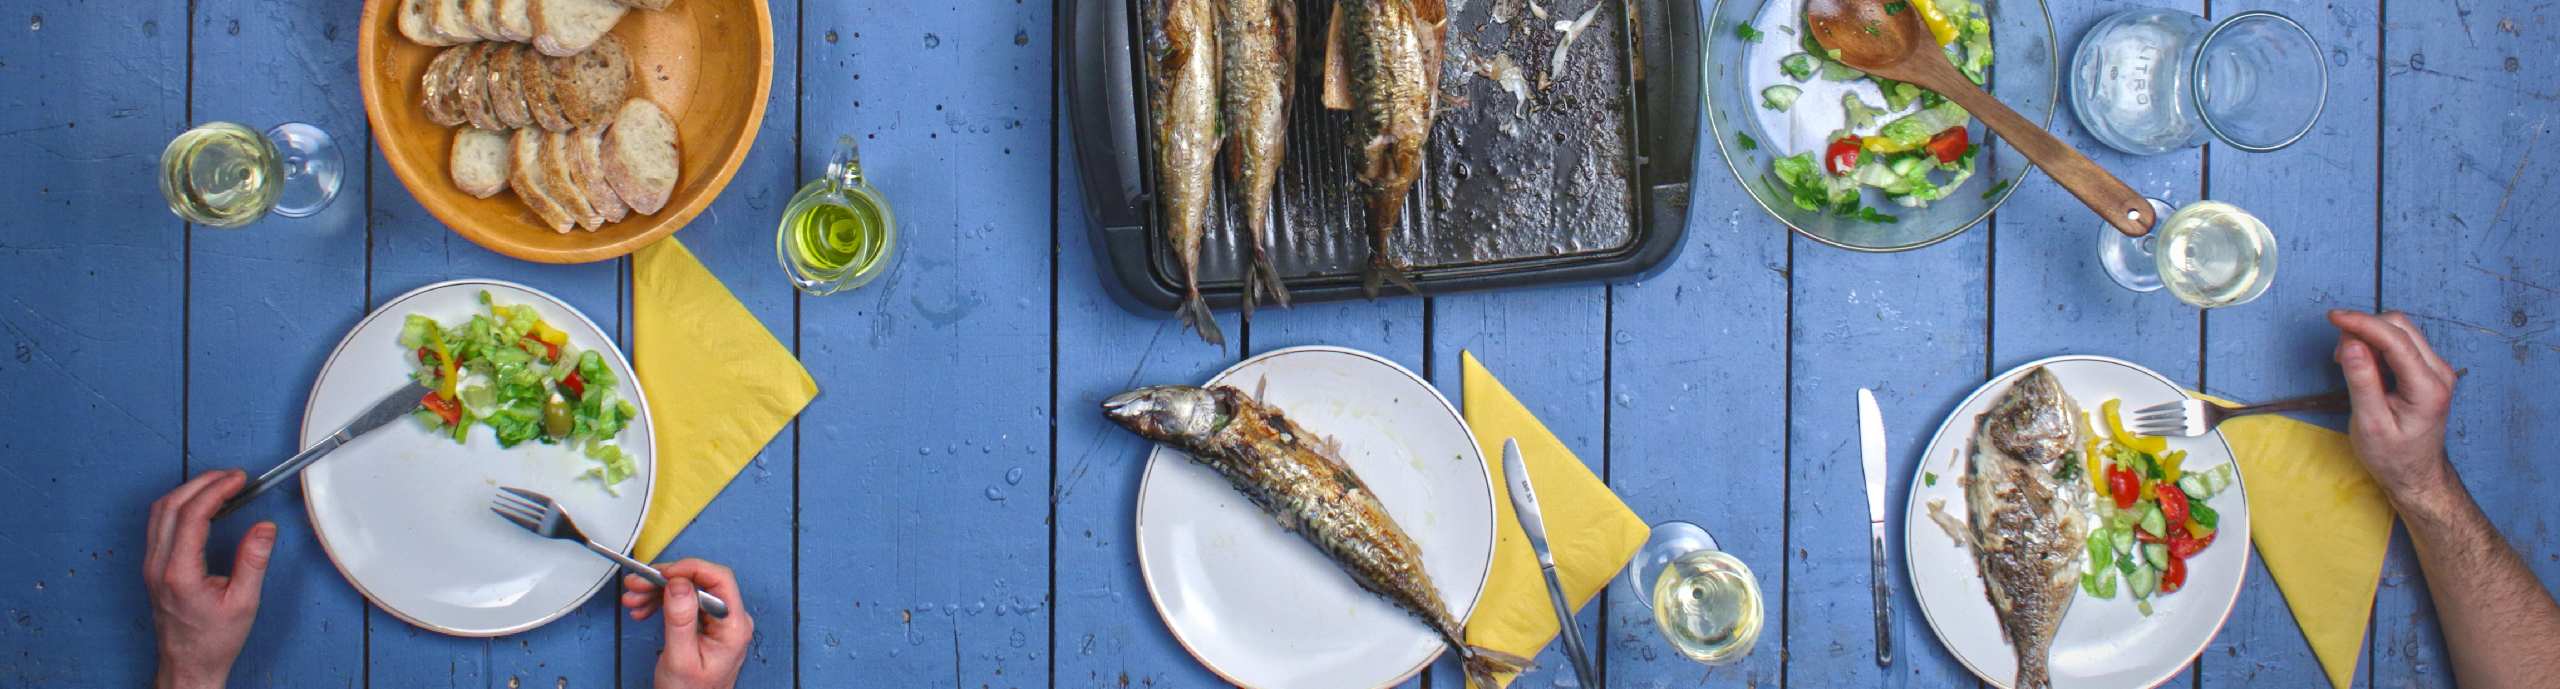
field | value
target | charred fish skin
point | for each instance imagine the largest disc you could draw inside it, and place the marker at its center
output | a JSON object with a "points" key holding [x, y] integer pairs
{"points": [[2024, 509], [1292, 476], [1394, 47], [1184, 69], [1259, 57]]}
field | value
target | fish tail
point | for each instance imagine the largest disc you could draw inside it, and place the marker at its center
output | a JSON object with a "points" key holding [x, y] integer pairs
{"points": [[1268, 277], [1484, 664], [1195, 315], [1382, 270], [2033, 672]]}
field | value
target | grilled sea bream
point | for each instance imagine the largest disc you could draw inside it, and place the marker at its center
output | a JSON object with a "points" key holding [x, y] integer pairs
{"points": [[1298, 481], [1394, 48], [1259, 56], [1184, 48], [2024, 504]]}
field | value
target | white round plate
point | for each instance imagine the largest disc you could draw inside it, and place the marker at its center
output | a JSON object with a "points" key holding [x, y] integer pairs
{"points": [[2103, 642], [404, 512], [1261, 607]]}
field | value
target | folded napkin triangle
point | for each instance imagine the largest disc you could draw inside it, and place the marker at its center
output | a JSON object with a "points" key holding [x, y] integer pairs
{"points": [[2322, 526]]}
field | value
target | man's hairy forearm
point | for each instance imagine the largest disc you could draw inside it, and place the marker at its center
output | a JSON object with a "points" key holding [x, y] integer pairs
{"points": [[2501, 627]]}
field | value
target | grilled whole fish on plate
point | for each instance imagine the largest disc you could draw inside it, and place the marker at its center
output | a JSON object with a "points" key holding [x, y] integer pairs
{"points": [[1260, 56], [1299, 481], [1183, 63], [2025, 505]]}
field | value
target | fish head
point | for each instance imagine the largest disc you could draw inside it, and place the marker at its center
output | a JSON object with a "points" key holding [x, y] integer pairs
{"points": [[1169, 413]]}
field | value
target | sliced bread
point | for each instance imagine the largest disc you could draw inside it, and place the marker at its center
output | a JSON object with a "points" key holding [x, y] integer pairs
{"points": [[480, 160], [451, 21], [533, 75], [560, 174], [562, 28], [588, 151], [506, 95], [640, 160], [417, 21], [648, 4], [482, 15], [594, 83], [515, 20], [436, 87], [474, 86], [524, 175]]}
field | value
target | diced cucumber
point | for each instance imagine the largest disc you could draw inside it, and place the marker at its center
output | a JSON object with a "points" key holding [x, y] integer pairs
{"points": [[2143, 582], [2102, 552], [2145, 607], [2127, 563], [2123, 538], [1797, 66], [2152, 522], [2222, 478], [2156, 555], [2197, 486], [1779, 97], [1832, 70]]}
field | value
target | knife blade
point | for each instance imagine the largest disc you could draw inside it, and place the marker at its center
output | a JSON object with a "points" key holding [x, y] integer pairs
{"points": [[391, 407], [1871, 456], [1524, 502]]}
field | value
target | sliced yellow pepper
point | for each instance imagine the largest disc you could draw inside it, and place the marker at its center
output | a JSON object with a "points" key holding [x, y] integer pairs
{"points": [[445, 370], [2169, 466], [2150, 445], [549, 335], [1878, 144], [1939, 26], [2195, 530], [2097, 478]]}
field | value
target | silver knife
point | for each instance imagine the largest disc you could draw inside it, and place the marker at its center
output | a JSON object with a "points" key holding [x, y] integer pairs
{"points": [[1524, 501], [390, 408], [1871, 451]]}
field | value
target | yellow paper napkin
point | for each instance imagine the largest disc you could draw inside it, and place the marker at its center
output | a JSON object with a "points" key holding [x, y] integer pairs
{"points": [[2321, 524], [719, 385], [1592, 532]]}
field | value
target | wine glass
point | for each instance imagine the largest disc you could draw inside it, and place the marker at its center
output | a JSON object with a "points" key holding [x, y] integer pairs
{"points": [[223, 174], [1704, 600], [2209, 253], [2148, 81]]}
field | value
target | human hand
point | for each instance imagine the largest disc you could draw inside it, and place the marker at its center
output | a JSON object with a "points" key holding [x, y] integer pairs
{"points": [[2399, 431], [702, 652], [202, 618]]}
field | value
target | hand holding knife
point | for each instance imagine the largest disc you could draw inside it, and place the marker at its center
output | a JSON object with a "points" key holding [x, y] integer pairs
{"points": [[1524, 501], [1871, 454]]}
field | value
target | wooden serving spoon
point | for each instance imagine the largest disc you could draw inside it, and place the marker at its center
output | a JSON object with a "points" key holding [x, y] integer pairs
{"points": [[1895, 45]]}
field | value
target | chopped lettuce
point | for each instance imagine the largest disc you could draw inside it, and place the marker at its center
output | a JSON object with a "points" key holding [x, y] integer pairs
{"points": [[1860, 115], [514, 364]]}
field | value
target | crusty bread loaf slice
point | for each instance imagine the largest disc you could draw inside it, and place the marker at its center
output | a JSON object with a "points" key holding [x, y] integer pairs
{"points": [[562, 28], [594, 83], [451, 21], [560, 175], [533, 76], [480, 159], [482, 16], [648, 4], [587, 149], [436, 87], [525, 177], [417, 22], [515, 20], [506, 95], [640, 160], [474, 86]]}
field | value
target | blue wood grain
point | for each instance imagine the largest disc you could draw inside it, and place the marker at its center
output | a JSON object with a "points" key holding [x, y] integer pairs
{"points": [[1107, 631], [1550, 348], [924, 535], [1697, 423], [749, 526], [266, 305], [2468, 250], [410, 250], [2317, 196], [1909, 326], [91, 330]]}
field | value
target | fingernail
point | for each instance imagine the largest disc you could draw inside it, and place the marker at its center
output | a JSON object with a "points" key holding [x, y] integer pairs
{"points": [[681, 587]]}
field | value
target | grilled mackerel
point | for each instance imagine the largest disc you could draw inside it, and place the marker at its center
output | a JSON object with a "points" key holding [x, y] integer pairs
{"points": [[2024, 504], [1185, 102], [1259, 56], [1395, 50], [1299, 482]]}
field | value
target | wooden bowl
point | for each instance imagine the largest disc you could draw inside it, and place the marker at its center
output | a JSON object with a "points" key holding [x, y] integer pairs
{"points": [[693, 58]]}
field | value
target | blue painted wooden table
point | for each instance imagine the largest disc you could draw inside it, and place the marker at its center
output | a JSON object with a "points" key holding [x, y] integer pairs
{"points": [[951, 511]]}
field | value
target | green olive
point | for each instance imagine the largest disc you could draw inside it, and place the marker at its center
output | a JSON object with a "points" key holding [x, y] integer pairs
{"points": [[555, 418]]}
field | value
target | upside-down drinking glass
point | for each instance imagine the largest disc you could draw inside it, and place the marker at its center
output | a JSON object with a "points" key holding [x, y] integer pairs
{"points": [[2148, 81]]}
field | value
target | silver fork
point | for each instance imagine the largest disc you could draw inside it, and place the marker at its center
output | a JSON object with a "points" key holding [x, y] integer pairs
{"points": [[545, 517], [2193, 417]]}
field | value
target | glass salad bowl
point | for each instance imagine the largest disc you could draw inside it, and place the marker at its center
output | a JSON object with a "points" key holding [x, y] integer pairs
{"points": [[1748, 45]]}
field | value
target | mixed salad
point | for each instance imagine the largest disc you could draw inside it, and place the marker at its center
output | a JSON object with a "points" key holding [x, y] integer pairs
{"points": [[1913, 147], [2152, 516], [511, 372]]}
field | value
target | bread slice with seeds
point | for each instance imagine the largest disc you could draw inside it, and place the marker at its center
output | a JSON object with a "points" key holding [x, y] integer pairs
{"points": [[436, 87], [640, 160], [474, 86], [480, 160], [506, 95], [593, 84]]}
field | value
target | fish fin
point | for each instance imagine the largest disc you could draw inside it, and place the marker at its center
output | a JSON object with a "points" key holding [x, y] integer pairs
{"points": [[1337, 66], [1252, 291], [1271, 284], [1195, 315], [1382, 271], [1483, 664], [1284, 24]]}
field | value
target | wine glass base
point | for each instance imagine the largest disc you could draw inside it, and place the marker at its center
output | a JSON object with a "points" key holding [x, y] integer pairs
{"points": [[312, 169], [2128, 260], [1668, 542]]}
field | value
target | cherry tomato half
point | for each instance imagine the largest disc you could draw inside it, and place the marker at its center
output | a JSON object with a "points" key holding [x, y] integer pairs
{"points": [[1948, 145], [1842, 156], [2175, 577], [2123, 487], [444, 408], [2182, 546], [2173, 504]]}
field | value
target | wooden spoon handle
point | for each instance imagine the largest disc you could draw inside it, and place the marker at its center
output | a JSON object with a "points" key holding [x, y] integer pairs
{"points": [[2128, 211]]}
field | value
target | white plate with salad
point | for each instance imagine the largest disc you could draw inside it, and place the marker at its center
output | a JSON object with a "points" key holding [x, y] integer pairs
{"points": [[2160, 574], [525, 391]]}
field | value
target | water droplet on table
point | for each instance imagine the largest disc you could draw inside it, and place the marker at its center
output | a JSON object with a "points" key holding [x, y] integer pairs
{"points": [[1013, 476]]}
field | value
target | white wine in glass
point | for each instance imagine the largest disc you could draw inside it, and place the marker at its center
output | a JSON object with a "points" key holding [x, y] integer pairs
{"points": [[2209, 253], [222, 174], [1705, 601]]}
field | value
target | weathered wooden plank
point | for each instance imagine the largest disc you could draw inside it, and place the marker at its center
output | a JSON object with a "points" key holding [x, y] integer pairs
{"points": [[924, 541], [279, 293], [749, 527], [1697, 415], [91, 273], [2049, 294], [2317, 195], [1107, 632], [410, 250], [2470, 253], [1909, 326], [1549, 346]]}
